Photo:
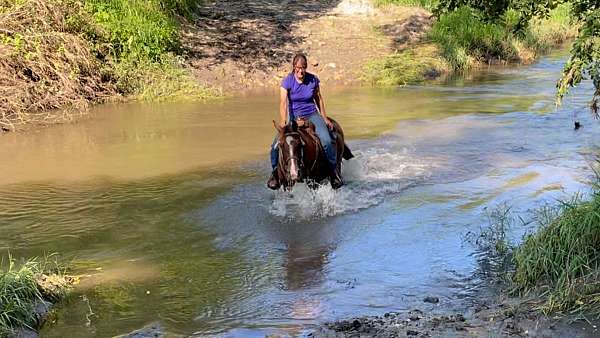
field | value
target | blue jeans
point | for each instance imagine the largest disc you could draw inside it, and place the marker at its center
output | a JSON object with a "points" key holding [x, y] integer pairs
{"points": [[322, 133]]}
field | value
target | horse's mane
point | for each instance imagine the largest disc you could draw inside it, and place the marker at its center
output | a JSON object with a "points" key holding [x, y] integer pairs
{"points": [[288, 129]]}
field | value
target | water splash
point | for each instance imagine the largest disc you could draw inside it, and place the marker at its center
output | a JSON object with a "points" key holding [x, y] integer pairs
{"points": [[370, 177]]}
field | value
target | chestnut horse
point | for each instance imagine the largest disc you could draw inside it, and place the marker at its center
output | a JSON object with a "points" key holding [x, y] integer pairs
{"points": [[301, 156]]}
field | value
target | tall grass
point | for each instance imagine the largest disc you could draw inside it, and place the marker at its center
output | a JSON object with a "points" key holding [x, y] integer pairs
{"points": [[18, 295], [136, 29], [556, 29], [464, 39], [24, 286], [563, 258], [142, 39]]}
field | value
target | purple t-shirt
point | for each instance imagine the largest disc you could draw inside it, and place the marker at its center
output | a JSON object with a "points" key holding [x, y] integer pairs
{"points": [[301, 95]]}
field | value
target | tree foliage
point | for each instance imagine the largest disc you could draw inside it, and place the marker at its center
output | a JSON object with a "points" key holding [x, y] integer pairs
{"points": [[583, 62]]}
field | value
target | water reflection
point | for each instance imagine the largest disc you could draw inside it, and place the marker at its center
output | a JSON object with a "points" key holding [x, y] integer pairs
{"points": [[304, 266]]}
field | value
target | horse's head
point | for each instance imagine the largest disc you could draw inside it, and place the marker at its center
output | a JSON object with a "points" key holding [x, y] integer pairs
{"points": [[290, 156]]}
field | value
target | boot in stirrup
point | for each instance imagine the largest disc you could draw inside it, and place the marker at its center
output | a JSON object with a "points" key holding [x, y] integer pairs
{"points": [[273, 182], [336, 179]]}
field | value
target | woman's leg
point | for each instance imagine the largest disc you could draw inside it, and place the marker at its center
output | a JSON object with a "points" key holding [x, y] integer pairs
{"points": [[323, 134], [273, 182], [274, 153]]}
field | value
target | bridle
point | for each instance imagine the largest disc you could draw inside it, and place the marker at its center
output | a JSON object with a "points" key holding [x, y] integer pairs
{"points": [[285, 163]]}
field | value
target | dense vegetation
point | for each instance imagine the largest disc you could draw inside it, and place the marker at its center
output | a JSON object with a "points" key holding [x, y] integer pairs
{"points": [[585, 14], [18, 296], [466, 39], [74, 52]]}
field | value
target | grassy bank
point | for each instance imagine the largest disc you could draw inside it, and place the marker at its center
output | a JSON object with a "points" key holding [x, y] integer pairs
{"points": [[72, 53], [562, 259], [558, 265], [24, 286], [464, 41]]}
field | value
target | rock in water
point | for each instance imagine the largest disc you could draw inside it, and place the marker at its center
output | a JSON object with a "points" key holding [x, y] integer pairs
{"points": [[431, 299]]}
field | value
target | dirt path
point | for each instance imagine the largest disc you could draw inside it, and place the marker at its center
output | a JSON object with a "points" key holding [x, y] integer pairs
{"points": [[247, 44]]}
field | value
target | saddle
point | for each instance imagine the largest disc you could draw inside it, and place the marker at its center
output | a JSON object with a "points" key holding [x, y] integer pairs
{"points": [[306, 129]]}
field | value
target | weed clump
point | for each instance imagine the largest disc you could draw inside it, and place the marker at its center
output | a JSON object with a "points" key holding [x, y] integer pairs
{"points": [[22, 288], [408, 66], [464, 39]]}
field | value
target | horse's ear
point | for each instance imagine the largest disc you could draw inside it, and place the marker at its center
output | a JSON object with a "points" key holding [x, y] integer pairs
{"points": [[279, 129]]}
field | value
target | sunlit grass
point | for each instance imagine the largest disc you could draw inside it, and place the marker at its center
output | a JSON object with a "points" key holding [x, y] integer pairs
{"points": [[412, 65], [563, 257], [427, 4], [22, 286], [466, 41]]}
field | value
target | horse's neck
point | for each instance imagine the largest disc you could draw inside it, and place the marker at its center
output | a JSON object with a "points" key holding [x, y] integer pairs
{"points": [[312, 147]]}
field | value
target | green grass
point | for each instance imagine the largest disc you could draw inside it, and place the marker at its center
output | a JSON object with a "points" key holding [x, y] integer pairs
{"points": [[427, 4], [409, 66], [159, 81], [563, 258], [141, 40], [135, 29], [464, 39], [553, 31], [20, 291]]}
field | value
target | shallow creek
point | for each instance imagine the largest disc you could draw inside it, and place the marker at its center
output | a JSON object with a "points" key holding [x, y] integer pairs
{"points": [[164, 208]]}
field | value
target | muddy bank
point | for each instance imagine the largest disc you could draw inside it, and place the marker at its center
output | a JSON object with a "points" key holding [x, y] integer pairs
{"points": [[509, 318]]}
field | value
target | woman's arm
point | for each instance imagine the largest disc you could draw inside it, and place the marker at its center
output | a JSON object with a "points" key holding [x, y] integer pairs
{"points": [[321, 105], [283, 106]]}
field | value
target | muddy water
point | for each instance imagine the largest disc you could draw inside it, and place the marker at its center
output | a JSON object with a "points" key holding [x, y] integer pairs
{"points": [[163, 211]]}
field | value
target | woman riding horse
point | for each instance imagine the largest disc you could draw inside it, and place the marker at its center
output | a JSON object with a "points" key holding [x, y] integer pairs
{"points": [[300, 98]]}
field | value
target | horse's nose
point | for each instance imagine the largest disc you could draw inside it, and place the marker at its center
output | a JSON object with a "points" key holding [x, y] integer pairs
{"points": [[294, 171]]}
